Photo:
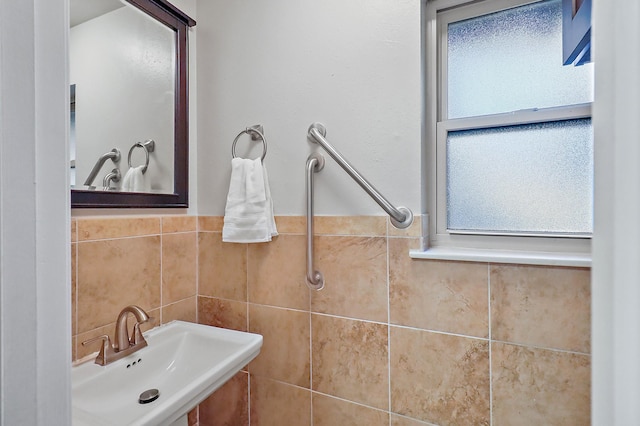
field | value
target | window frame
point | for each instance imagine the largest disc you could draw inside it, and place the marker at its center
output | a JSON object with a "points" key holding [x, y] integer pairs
{"points": [[541, 248]]}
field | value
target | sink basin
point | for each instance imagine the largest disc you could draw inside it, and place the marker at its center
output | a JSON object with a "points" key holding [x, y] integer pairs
{"points": [[185, 362]]}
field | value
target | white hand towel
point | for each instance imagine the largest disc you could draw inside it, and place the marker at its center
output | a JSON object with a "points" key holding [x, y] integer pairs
{"points": [[135, 181], [248, 216], [271, 221]]}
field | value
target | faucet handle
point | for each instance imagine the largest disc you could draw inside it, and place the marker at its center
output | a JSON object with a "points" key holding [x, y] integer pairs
{"points": [[106, 348], [136, 335], [105, 340]]}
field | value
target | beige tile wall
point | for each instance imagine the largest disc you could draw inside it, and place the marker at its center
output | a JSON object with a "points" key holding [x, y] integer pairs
{"points": [[389, 341], [147, 261]]}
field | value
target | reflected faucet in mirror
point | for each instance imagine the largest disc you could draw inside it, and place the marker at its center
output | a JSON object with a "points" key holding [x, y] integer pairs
{"points": [[124, 344]]}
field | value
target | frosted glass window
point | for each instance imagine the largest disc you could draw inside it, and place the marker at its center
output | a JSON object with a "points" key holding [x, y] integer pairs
{"points": [[512, 60], [534, 178]]}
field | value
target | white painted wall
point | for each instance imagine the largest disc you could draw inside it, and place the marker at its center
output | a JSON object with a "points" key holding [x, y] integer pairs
{"points": [[122, 64], [354, 66], [616, 244], [35, 283]]}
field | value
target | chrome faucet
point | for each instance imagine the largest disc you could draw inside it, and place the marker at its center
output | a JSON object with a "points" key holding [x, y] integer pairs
{"points": [[124, 345]]}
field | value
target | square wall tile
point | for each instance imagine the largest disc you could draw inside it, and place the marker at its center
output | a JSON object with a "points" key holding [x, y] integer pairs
{"points": [[439, 378], [74, 290], [222, 313], [184, 310], [179, 223], [222, 267], [328, 411], [112, 227], [285, 349], [540, 387], [74, 230], [542, 306], [179, 266], [113, 274], [74, 345], [350, 225], [210, 223], [229, 405], [276, 403], [437, 295], [351, 360], [277, 273], [397, 420], [291, 224], [355, 275]]}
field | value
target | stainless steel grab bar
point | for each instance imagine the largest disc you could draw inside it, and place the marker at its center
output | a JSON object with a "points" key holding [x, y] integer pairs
{"points": [[114, 155], [401, 217], [315, 280]]}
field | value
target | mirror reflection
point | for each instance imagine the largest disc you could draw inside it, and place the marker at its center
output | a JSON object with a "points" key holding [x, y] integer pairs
{"points": [[122, 72]]}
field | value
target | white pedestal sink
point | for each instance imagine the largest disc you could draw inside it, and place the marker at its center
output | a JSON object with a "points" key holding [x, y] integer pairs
{"points": [[185, 362]]}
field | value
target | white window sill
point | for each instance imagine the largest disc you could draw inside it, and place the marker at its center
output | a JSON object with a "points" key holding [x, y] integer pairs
{"points": [[504, 256]]}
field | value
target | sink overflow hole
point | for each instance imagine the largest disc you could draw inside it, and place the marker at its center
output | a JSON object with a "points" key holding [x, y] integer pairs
{"points": [[148, 396]]}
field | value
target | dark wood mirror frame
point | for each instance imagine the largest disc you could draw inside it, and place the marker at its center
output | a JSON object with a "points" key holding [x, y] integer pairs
{"points": [[175, 19]]}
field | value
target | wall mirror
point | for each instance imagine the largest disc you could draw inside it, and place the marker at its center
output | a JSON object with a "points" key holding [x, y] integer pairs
{"points": [[128, 68]]}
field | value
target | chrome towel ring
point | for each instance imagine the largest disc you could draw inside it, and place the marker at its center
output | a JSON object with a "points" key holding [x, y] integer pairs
{"points": [[149, 146], [256, 132]]}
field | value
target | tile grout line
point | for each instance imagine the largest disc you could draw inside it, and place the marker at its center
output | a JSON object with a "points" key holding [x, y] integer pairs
{"points": [[407, 327], [77, 292], [310, 358], [542, 348], [161, 272], [388, 324], [120, 237], [178, 301], [490, 345], [247, 325], [197, 275], [248, 397], [246, 278], [197, 232], [360, 404]]}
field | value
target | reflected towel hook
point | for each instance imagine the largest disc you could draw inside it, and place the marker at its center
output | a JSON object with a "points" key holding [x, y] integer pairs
{"points": [[256, 132], [149, 146]]}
